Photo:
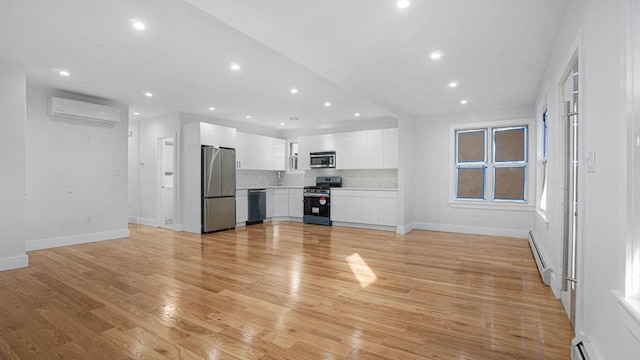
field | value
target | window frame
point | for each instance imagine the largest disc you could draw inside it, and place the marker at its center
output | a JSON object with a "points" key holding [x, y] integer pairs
{"points": [[461, 165], [530, 171], [542, 163], [288, 168]]}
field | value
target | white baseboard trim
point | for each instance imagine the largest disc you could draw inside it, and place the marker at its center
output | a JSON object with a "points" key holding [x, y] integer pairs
{"points": [[286, 218], [133, 220], [75, 239], [476, 230], [403, 230], [14, 262], [365, 226], [178, 227], [148, 222]]}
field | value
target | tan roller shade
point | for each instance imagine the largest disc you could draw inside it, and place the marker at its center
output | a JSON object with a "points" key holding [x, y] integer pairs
{"points": [[510, 145], [471, 146], [509, 183], [470, 183]]}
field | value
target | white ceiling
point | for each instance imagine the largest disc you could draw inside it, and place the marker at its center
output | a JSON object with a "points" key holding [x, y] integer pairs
{"points": [[364, 56]]}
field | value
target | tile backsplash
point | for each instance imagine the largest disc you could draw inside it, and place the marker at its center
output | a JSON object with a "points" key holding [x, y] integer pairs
{"points": [[358, 178], [364, 178]]}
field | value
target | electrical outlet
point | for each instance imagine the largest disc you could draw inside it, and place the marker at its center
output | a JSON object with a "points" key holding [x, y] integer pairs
{"points": [[88, 219], [116, 172], [88, 138], [475, 212]]}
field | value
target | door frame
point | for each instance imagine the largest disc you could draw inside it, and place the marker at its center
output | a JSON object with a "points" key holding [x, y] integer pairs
{"points": [[574, 57], [159, 177]]}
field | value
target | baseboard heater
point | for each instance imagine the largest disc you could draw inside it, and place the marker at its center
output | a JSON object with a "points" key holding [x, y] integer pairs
{"points": [[543, 265], [583, 351]]}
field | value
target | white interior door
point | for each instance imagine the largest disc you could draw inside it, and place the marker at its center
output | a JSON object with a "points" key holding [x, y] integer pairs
{"points": [[167, 176], [571, 120]]}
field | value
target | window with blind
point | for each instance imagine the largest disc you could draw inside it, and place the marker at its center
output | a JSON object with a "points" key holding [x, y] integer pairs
{"points": [[491, 164]]}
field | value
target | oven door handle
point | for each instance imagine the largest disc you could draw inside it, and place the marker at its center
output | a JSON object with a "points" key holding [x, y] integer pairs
{"points": [[316, 195]]}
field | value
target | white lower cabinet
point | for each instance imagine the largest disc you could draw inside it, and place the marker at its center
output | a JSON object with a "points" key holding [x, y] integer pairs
{"points": [[370, 209], [242, 206], [296, 207], [373, 207], [269, 203], [280, 202], [338, 208], [388, 214], [353, 209]]}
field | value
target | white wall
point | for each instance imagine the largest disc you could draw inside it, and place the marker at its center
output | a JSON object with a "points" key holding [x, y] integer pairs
{"points": [[149, 131], [12, 160], [597, 28], [133, 167], [407, 170], [74, 169], [430, 178]]}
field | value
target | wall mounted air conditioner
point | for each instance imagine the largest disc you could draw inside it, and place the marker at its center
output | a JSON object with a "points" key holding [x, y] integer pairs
{"points": [[80, 110]]}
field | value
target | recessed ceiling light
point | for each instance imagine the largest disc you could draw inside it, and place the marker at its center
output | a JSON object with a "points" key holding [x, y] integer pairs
{"points": [[327, 104], [356, 114], [136, 113], [248, 116], [281, 124], [464, 102], [403, 4], [294, 90], [139, 26], [212, 108], [436, 55], [64, 73], [453, 84], [148, 94], [235, 67]]}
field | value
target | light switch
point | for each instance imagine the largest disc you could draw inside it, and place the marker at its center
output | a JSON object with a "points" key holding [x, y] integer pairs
{"points": [[590, 161]]}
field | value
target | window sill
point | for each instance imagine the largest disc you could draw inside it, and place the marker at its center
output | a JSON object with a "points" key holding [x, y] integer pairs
{"points": [[630, 311], [490, 206]]}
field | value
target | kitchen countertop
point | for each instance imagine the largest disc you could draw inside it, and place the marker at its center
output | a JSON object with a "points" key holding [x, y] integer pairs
{"points": [[301, 187], [366, 189], [268, 187]]}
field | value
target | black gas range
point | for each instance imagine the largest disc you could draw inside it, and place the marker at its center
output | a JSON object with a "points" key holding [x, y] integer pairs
{"points": [[317, 200]]}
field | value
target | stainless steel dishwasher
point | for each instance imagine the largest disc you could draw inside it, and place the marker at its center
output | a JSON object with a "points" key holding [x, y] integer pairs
{"points": [[257, 205]]}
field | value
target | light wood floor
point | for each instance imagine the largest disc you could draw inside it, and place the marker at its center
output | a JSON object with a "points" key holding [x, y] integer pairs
{"points": [[282, 291]]}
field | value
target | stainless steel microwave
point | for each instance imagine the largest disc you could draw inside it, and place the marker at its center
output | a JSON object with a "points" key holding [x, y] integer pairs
{"points": [[325, 159]]}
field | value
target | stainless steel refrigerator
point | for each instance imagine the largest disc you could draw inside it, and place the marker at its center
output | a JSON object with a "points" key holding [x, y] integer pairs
{"points": [[218, 188]]}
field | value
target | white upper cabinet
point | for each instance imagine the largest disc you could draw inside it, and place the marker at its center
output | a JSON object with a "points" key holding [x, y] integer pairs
{"points": [[243, 151], [390, 140], [357, 149], [304, 148], [257, 152], [325, 142], [278, 148], [215, 135], [343, 160], [370, 149], [375, 149]]}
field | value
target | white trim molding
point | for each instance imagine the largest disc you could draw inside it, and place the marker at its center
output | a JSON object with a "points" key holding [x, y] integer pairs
{"points": [[630, 312], [147, 222], [14, 262], [476, 230], [75, 239]]}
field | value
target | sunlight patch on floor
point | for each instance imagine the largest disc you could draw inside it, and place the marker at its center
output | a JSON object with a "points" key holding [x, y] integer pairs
{"points": [[361, 270]]}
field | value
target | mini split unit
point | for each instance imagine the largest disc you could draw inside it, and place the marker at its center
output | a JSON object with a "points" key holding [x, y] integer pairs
{"points": [[84, 111]]}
